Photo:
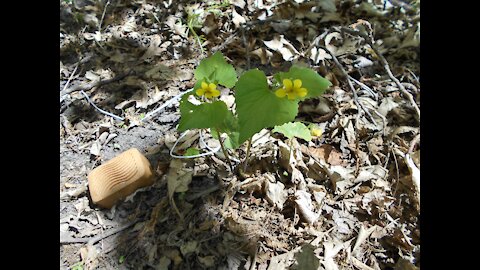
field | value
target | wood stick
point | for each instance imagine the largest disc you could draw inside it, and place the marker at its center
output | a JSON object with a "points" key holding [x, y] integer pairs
{"points": [[89, 86], [93, 240], [386, 66]]}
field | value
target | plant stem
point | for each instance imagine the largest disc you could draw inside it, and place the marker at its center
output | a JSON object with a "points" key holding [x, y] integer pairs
{"points": [[224, 150], [245, 163]]}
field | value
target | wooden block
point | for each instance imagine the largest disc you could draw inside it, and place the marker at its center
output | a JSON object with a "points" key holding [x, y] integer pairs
{"points": [[119, 177]]}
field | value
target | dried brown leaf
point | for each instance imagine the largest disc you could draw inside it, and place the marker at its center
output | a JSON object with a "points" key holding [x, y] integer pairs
{"points": [[276, 193], [237, 19]]}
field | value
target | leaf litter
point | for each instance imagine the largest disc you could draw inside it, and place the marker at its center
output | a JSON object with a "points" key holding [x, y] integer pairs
{"points": [[346, 198]]}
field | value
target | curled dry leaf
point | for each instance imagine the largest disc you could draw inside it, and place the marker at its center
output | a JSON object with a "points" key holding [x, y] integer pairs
{"points": [[176, 26], [153, 48], [327, 153], [283, 46], [237, 19], [239, 3], [207, 261], [189, 247], [336, 44], [306, 259], [415, 176], [304, 204], [263, 54], [210, 24], [362, 236], [276, 193], [178, 177], [319, 54], [96, 148], [387, 105]]}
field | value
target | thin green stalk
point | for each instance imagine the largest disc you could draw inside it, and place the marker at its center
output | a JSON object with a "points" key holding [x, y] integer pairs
{"points": [[224, 150], [198, 40], [245, 163]]}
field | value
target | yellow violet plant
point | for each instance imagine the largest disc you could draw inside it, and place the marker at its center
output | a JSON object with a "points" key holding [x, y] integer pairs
{"points": [[258, 104], [291, 89], [209, 90]]}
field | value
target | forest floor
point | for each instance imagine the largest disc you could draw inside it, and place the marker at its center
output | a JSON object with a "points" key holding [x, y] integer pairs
{"points": [[348, 199]]}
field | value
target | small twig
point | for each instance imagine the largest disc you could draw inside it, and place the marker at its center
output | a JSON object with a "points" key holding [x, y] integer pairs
{"points": [[398, 174], [166, 104], [254, 259], [103, 15], [204, 192], [70, 78], [93, 240], [344, 73], [384, 120], [84, 60], [386, 66], [412, 86], [364, 86], [225, 43], [247, 51], [224, 150], [413, 143], [100, 110], [96, 84], [248, 154]]}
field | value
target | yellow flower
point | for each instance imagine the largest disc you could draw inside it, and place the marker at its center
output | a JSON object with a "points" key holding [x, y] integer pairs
{"points": [[291, 89], [316, 132], [208, 90]]}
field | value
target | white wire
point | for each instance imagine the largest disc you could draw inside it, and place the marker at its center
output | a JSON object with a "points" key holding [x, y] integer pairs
{"points": [[202, 142], [100, 110], [212, 151], [150, 114]]}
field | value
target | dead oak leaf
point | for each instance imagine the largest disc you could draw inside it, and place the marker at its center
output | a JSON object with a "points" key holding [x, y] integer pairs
{"points": [[329, 154], [237, 19], [282, 46]]}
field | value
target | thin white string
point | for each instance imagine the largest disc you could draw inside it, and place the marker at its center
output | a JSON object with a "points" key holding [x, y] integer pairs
{"points": [[100, 110], [212, 151], [152, 113]]}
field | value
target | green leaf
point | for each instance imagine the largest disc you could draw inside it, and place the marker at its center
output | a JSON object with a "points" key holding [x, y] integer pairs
{"points": [[232, 141], [121, 259], [216, 69], [294, 129], [258, 107], [230, 127], [192, 151], [306, 259], [77, 266], [205, 115], [314, 83]]}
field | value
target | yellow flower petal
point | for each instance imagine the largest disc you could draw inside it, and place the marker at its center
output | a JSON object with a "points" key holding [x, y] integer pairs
{"points": [[301, 92], [212, 86], [287, 84], [317, 132], [297, 83], [215, 93], [291, 95], [204, 85], [200, 92], [280, 93], [208, 95]]}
